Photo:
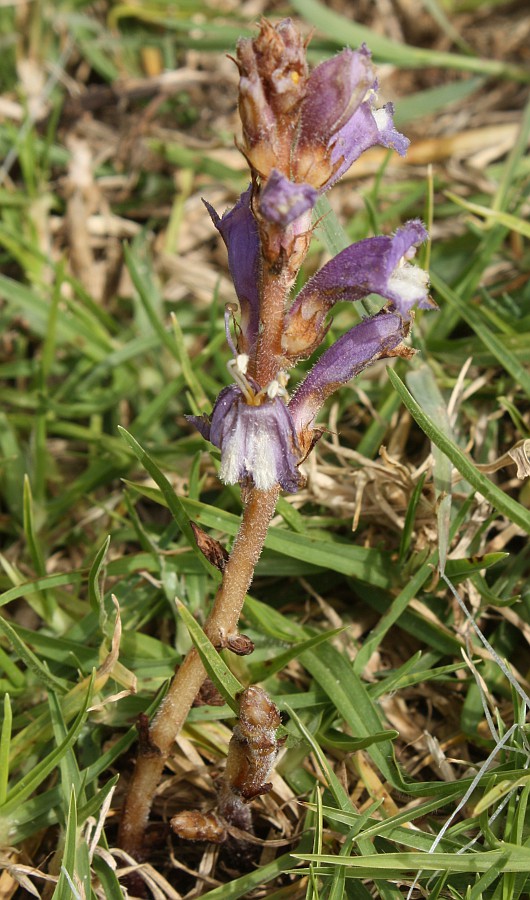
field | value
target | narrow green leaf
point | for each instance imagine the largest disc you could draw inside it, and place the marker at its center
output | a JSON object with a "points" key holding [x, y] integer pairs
{"points": [[291, 516], [339, 794], [93, 806], [38, 584], [173, 502], [225, 682], [11, 467], [498, 346], [397, 607], [66, 886], [398, 825], [196, 388], [510, 859], [109, 882], [336, 740], [336, 677], [262, 670], [242, 887], [70, 777], [517, 153], [410, 518], [144, 293], [70, 329], [492, 216], [5, 740], [480, 888], [31, 781], [404, 678], [338, 888], [363, 563], [460, 569], [94, 592], [423, 385], [31, 660], [49, 606]]}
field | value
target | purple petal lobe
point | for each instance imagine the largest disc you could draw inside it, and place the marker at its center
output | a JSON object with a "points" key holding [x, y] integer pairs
{"points": [[366, 128], [202, 424], [239, 230], [282, 201], [257, 442], [372, 339]]}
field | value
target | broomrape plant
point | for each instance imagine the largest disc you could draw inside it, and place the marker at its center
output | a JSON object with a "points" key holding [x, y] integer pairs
{"points": [[301, 132]]}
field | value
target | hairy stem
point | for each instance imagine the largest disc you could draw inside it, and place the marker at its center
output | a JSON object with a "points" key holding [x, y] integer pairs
{"points": [[172, 713], [272, 308]]}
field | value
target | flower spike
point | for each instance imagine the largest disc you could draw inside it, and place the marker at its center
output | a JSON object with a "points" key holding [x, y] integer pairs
{"points": [[301, 132]]}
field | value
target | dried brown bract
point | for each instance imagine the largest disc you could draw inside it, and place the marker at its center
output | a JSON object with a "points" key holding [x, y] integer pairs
{"points": [[252, 753], [209, 695], [240, 644], [210, 548], [196, 826], [253, 748]]}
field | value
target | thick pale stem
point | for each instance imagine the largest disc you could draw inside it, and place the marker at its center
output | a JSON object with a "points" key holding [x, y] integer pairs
{"points": [[272, 310], [173, 711]]}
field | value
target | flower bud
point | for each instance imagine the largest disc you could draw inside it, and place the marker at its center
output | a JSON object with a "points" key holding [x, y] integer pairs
{"points": [[273, 73], [334, 91]]}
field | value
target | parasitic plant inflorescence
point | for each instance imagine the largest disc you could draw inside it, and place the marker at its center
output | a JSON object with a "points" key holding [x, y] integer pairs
{"points": [[301, 131]]}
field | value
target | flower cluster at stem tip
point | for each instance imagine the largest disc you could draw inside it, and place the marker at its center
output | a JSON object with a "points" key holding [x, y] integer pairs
{"points": [[301, 131]]}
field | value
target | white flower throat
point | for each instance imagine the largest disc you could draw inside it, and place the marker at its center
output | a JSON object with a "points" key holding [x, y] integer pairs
{"points": [[275, 388]]}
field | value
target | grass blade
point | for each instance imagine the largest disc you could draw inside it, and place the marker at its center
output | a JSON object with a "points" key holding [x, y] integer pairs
{"points": [[498, 498]]}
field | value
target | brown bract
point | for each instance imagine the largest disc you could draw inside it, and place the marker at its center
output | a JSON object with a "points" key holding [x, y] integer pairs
{"points": [[192, 825], [253, 747], [210, 548]]}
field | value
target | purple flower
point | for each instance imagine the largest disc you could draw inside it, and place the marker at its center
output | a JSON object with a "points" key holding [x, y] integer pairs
{"points": [[239, 230], [376, 265], [282, 201], [338, 120], [372, 339], [257, 440], [334, 90]]}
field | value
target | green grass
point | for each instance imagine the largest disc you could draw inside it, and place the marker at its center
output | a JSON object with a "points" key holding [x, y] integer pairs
{"points": [[359, 639]]}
